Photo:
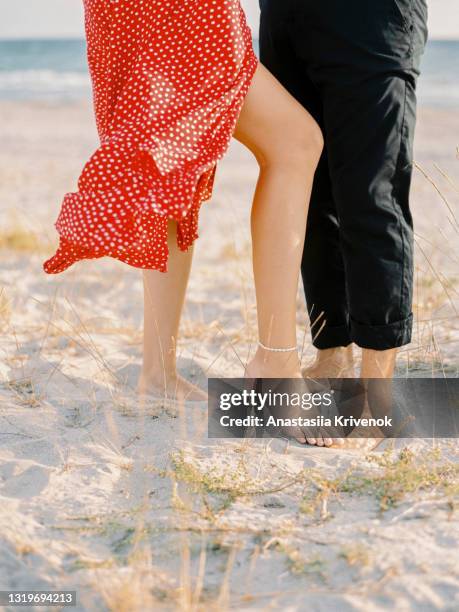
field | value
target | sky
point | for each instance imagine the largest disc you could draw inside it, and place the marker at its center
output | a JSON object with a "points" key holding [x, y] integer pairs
{"points": [[64, 18]]}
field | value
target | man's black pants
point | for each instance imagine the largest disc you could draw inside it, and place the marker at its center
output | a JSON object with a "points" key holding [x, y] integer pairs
{"points": [[353, 65]]}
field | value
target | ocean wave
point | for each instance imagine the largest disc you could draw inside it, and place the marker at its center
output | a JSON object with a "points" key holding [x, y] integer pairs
{"points": [[43, 81], [433, 89], [438, 92]]}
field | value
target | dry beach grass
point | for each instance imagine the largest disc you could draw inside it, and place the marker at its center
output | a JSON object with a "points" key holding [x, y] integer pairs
{"points": [[132, 505]]}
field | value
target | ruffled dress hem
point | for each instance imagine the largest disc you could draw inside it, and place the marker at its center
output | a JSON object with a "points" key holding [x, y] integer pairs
{"points": [[162, 131]]}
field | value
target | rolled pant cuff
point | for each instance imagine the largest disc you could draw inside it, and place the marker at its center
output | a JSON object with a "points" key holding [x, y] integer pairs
{"points": [[331, 337], [382, 337]]}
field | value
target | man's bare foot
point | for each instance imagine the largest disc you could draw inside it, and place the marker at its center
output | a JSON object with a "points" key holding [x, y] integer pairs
{"points": [[332, 363], [171, 387]]}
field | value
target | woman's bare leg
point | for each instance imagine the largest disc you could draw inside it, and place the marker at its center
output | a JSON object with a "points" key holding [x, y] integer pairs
{"points": [[287, 144], [164, 296]]}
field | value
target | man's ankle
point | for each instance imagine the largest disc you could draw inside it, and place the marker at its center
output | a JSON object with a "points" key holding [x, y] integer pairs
{"points": [[337, 353], [337, 362], [378, 364]]}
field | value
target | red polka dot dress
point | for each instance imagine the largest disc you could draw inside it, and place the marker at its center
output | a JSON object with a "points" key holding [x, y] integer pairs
{"points": [[169, 80]]}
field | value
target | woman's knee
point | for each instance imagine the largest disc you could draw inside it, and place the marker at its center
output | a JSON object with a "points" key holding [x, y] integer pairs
{"points": [[294, 146], [305, 139]]}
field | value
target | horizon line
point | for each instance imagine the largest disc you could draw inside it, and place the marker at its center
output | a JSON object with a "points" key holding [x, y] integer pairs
{"points": [[82, 38]]}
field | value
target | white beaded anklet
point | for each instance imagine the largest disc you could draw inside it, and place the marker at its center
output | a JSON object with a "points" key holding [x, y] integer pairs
{"points": [[278, 350]]}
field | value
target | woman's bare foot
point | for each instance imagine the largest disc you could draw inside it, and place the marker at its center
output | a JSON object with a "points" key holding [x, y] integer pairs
{"points": [[277, 365], [332, 363], [269, 364], [170, 386], [325, 441]]}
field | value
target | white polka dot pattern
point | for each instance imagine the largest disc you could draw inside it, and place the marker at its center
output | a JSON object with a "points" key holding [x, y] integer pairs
{"points": [[169, 80]]}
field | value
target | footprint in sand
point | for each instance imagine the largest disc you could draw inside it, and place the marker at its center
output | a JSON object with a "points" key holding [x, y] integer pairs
{"points": [[22, 484]]}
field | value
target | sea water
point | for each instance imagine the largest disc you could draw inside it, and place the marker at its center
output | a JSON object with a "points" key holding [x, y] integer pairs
{"points": [[57, 70]]}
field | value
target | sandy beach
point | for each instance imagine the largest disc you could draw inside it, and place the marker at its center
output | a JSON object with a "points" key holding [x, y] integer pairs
{"points": [[136, 509]]}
